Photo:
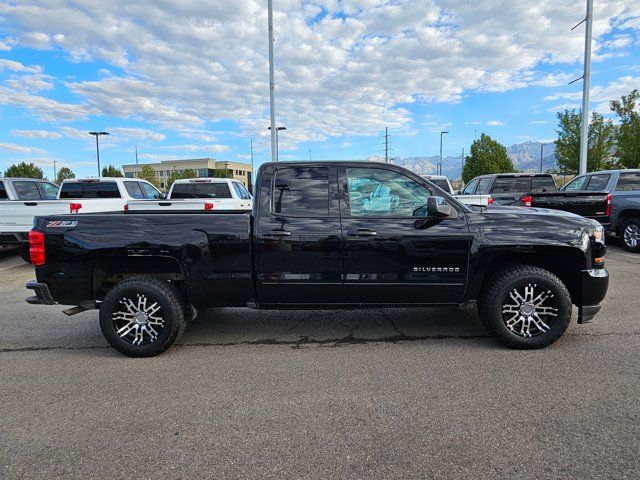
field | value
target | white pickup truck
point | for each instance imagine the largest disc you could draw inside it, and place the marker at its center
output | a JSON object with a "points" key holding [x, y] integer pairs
{"points": [[443, 182], [200, 194], [21, 199]]}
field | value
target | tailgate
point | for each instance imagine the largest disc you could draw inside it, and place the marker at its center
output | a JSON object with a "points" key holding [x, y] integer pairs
{"points": [[17, 216], [587, 204]]}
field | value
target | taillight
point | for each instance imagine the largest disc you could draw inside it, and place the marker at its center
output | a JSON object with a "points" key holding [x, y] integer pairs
{"points": [[490, 201], [36, 248], [75, 207], [608, 210], [208, 206], [526, 200]]}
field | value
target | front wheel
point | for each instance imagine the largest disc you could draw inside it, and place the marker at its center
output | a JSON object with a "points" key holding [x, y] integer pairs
{"points": [[142, 316], [525, 307], [631, 235]]}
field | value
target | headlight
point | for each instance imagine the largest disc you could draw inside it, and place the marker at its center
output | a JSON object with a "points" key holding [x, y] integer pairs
{"points": [[598, 235]]}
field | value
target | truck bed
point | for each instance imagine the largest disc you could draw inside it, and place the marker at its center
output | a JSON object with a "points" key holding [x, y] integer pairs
{"points": [[587, 204], [214, 249]]}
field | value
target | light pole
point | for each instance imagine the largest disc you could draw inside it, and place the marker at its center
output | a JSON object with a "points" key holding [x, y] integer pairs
{"points": [[440, 165], [541, 149], [279, 129], [272, 87], [54, 171], [584, 126], [97, 134]]}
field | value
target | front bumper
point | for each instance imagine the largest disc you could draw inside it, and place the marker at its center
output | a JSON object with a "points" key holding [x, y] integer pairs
{"points": [[42, 294], [593, 289]]}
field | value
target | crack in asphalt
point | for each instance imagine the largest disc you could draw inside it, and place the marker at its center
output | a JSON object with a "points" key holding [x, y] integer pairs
{"points": [[302, 341]]}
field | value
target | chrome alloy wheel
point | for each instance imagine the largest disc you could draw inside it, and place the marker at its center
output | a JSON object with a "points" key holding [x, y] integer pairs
{"points": [[529, 311], [632, 235], [137, 322]]}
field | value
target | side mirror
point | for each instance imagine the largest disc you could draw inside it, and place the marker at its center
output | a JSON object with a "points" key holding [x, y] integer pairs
{"points": [[162, 196], [437, 207]]}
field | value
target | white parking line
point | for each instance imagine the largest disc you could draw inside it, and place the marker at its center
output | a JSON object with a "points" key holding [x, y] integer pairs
{"points": [[13, 266]]}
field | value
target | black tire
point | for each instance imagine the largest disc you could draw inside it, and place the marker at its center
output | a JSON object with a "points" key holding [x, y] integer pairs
{"points": [[498, 307], [118, 323], [629, 235]]}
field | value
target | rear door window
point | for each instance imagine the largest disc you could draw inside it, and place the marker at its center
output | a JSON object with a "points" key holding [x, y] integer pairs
{"points": [[484, 185], [201, 190], [134, 190], [3, 192], [543, 184], [512, 185], [628, 182], [90, 190], [598, 183], [26, 190], [301, 191]]}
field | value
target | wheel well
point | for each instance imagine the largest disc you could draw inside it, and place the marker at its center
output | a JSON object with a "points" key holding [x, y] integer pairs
{"points": [[626, 215], [107, 273], [565, 265]]}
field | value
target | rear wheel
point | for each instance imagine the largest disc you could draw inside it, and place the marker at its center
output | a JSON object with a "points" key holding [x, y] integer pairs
{"points": [[525, 307], [631, 235], [142, 316]]}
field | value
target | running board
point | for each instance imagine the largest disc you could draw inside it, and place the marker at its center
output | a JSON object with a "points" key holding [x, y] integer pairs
{"points": [[74, 310]]}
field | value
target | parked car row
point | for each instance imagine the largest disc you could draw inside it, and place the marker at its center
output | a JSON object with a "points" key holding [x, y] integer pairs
{"points": [[22, 199]]}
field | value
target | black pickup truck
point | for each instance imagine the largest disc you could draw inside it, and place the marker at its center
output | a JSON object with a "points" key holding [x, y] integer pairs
{"points": [[324, 235]]}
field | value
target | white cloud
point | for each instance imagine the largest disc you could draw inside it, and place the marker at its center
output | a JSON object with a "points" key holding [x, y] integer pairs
{"points": [[13, 147], [352, 71], [495, 123], [538, 122], [129, 133], [35, 134], [197, 148]]}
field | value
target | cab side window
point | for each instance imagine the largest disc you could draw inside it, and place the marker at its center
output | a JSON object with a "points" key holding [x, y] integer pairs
{"points": [[3, 192], [378, 192], [301, 191], [133, 189], [576, 184], [48, 191], [471, 188]]}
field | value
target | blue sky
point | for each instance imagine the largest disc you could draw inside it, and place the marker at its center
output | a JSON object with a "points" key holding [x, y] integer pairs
{"points": [[189, 79]]}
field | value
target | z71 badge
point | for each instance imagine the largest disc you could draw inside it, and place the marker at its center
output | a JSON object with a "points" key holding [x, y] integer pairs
{"points": [[62, 224]]}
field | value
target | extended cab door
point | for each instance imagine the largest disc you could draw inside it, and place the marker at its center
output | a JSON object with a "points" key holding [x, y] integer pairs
{"points": [[391, 255], [297, 237]]}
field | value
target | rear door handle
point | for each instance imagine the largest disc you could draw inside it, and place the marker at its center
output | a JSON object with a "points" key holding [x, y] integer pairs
{"points": [[31, 204], [277, 233], [362, 233]]}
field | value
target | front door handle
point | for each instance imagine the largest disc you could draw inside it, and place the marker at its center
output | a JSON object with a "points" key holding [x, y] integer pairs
{"points": [[277, 233], [31, 204], [362, 232]]}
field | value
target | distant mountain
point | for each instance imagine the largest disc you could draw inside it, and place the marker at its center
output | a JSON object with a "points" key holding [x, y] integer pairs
{"points": [[525, 156]]}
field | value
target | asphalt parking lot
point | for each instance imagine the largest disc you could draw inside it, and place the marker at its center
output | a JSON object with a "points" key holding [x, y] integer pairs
{"points": [[392, 393]]}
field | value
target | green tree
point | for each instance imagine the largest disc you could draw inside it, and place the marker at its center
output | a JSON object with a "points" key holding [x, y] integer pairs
{"points": [[111, 171], [149, 174], [486, 156], [63, 174], [223, 173], [188, 173], [24, 170], [601, 142], [628, 132]]}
